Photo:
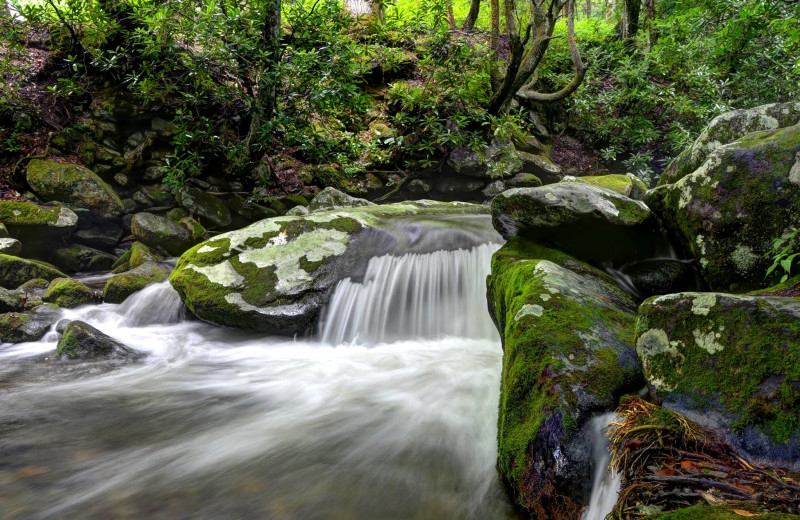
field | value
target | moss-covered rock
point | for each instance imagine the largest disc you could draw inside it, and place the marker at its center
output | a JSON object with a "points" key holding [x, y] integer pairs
{"points": [[37, 227], [729, 362], [209, 210], [82, 341], [541, 166], [140, 254], [3, 231], [567, 332], [68, 293], [77, 258], [248, 211], [158, 232], [36, 283], [628, 185], [331, 198], [728, 211], [275, 275], [11, 301], [15, 271], [728, 128], [161, 197], [120, 286], [23, 327], [73, 184], [10, 246]]}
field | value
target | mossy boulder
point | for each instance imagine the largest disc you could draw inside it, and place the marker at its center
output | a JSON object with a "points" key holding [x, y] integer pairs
{"points": [[11, 300], [84, 342], [567, 332], [728, 211], [206, 208], [728, 128], [37, 227], [628, 185], [68, 293], [73, 184], [78, 257], [587, 221], [120, 286], [158, 232], [541, 166], [728, 362], [275, 275], [248, 211], [24, 327], [10, 246], [15, 271], [331, 198], [99, 234], [140, 254]]}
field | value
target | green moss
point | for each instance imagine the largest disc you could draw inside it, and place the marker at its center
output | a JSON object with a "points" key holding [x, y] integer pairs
{"points": [[12, 327], [724, 512], [622, 184], [119, 287], [140, 254], [68, 345], [36, 283], [16, 271], [68, 293], [26, 214], [123, 263]]}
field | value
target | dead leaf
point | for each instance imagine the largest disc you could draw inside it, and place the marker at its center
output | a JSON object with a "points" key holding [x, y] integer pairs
{"points": [[741, 512]]}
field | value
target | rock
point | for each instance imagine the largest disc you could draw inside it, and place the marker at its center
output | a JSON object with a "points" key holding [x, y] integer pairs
{"points": [[25, 327], [628, 185], [537, 127], [160, 196], [662, 276], [567, 332], [197, 231], [331, 198], [249, 211], [36, 283], [162, 127], [728, 211], [524, 180], [82, 341], [419, 187], [463, 161], [539, 165], [15, 271], [11, 301], [10, 246], [120, 286], [208, 210], [142, 200], [380, 130], [592, 223], [729, 363], [73, 184], [527, 143], [455, 187], [297, 211], [3, 231], [153, 174], [727, 128], [37, 227], [79, 258], [68, 293], [494, 189], [176, 214], [158, 232], [275, 275], [102, 235]]}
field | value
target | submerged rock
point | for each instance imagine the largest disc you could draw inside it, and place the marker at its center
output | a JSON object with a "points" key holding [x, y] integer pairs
{"points": [[730, 363], [73, 184], [728, 128], [15, 271], [728, 211], [275, 275], [82, 341], [68, 293], [331, 198], [567, 332]]}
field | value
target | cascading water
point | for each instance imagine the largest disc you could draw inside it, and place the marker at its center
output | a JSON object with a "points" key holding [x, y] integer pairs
{"points": [[605, 483], [221, 424]]}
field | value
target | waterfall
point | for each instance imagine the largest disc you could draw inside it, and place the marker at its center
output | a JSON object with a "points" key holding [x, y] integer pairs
{"points": [[605, 483], [413, 296], [156, 303]]}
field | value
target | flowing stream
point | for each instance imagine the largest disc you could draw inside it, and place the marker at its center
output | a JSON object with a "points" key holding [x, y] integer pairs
{"points": [[391, 414]]}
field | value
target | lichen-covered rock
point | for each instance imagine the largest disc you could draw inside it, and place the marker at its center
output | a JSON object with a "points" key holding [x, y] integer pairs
{"points": [[275, 275], [567, 332], [209, 210], [10, 246], [82, 258], [728, 211], [158, 232], [37, 227], [728, 128], [331, 198], [628, 185], [30, 326], [68, 293], [82, 341], [297, 211], [120, 286], [15, 271], [11, 301], [73, 184], [729, 362]]}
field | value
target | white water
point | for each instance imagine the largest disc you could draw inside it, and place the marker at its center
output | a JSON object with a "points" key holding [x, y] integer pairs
{"points": [[605, 484], [219, 424]]}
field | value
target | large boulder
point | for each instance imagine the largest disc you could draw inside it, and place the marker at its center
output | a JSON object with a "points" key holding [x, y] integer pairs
{"points": [[728, 128], [73, 184], [160, 233], [728, 211], [567, 332], [15, 271], [120, 286], [209, 210], [37, 227], [729, 362], [587, 221], [82, 341], [331, 198], [82, 258], [629, 185], [68, 293], [275, 275]]}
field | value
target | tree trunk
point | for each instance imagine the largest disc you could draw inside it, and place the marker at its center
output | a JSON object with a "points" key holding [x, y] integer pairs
{"points": [[588, 9], [630, 18], [451, 19], [651, 22], [472, 16]]}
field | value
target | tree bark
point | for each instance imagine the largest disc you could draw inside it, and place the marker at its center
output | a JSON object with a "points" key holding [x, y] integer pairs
{"points": [[651, 22], [630, 18], [451, 19], [472, 16]]}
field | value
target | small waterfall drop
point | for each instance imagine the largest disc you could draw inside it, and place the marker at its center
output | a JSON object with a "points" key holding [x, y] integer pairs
{"points": [[155, 304], [414, 296], [605, 483]]}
